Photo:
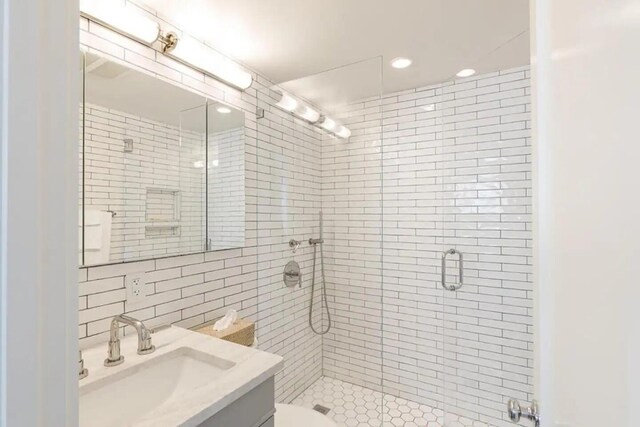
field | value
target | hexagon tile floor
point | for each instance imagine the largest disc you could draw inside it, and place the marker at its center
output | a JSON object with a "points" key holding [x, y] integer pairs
{"points": [[354, 406]]}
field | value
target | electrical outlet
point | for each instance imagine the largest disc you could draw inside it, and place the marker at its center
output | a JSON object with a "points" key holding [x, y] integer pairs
{"points": [[136, 287]]}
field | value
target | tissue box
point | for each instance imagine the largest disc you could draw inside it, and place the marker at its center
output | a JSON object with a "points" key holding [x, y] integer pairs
{"points": [[242, 332]]}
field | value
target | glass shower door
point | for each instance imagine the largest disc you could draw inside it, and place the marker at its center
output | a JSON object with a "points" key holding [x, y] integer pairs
{"points": [[486, 203]]}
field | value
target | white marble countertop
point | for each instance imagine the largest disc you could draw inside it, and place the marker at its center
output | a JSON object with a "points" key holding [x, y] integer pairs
{"points": [[252, 367]]}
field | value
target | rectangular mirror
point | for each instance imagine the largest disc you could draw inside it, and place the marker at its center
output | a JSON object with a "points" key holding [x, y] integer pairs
{"points": [[162, 168]]}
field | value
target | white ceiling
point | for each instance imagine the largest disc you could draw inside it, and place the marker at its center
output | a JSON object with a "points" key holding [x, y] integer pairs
{"points": [[289, 39]]}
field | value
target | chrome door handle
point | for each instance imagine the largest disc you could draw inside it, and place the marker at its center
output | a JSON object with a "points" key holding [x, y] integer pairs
{"points": [[444, 270], [530, 412]]}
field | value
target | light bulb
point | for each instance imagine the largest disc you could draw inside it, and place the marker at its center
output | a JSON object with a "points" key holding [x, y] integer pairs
{"points": [[122, 17], [287, 103], [343, 132], [309, 114], [193, 52], [328, 124]]}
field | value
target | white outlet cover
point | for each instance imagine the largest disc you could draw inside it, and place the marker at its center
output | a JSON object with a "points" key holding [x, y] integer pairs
{"points": [[136, 286]]}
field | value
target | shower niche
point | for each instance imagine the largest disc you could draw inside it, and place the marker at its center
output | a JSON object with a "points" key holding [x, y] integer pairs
{"points": [[162, 168]]}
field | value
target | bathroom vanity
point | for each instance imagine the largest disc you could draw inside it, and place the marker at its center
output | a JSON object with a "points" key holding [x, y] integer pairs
{"points": [[189, 380]]}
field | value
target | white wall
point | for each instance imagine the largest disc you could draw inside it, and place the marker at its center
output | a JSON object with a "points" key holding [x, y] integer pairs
{"points": [[586, 90]]}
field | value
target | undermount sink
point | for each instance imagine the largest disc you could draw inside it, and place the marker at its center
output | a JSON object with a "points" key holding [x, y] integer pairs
{"points": [[132, 393]]}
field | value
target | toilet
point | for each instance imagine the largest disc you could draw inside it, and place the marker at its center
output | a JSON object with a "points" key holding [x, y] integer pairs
{"points": [[296, 416]]}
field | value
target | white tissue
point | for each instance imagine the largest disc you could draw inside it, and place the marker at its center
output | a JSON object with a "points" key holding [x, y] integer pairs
{"points": [[228, 320]]}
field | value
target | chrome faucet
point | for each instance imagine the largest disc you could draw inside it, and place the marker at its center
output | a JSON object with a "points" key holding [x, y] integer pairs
{"points": [[114, 357]]}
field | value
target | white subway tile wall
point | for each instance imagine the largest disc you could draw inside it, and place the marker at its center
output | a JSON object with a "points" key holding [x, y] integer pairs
{"points": [[448, 167], [193, 289]]}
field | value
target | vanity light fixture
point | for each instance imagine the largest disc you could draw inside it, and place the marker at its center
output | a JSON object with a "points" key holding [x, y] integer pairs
{"points": [[192, 52], [121, 17], [287, 103], [125, 18], [328, 124], [401, 62], [467, 72], [292, 105]]}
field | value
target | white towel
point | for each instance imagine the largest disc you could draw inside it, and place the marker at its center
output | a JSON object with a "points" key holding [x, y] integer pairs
{"points": [[97, 236]]}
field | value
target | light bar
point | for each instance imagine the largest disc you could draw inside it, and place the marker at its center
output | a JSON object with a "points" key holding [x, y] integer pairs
{"points": [[123, 18], [292, 105], [192, 52]]}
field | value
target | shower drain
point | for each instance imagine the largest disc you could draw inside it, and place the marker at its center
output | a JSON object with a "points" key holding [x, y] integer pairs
{"points": [[322, 409]]}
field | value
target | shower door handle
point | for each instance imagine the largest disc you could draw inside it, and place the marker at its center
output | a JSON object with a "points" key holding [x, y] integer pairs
{"points": [[444, 270]]}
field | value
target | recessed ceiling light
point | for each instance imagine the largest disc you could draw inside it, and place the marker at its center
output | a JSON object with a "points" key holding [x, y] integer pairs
{"points": [[401, 62], [467, 72], [223, 110]]}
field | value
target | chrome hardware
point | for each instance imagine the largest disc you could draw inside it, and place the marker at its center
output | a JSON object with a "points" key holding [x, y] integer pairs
{"points": [[294, 244], [113, 213], [530, 412], [169, 41], [316, 241], [82, 371], [292, 275], [444, 270], [114, 357]]}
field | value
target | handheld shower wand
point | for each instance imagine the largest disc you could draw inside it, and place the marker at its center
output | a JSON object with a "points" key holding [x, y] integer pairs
{"points": [[323, 298]]}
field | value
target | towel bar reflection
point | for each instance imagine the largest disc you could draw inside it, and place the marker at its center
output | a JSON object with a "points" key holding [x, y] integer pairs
{"points": [[444, 270]]}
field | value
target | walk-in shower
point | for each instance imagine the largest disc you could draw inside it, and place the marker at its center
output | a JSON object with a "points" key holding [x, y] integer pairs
{"points": [[420, 314], [324, 302]]}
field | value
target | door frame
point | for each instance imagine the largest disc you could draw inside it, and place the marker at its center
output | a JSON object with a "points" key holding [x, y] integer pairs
{"points": [[39, 75]]}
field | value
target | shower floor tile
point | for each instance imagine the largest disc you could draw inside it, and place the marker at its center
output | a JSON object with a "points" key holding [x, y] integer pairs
{"points": [[354, 406]]}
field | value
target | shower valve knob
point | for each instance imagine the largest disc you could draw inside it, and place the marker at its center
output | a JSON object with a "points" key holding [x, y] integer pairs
{"points": [[515, 412]]}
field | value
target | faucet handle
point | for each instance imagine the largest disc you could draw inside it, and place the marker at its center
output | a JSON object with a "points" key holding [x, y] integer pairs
{"points": [[82, 371], [146, 347]]}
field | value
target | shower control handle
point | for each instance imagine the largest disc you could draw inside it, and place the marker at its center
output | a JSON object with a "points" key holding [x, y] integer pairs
{"points": [[515, 412]]}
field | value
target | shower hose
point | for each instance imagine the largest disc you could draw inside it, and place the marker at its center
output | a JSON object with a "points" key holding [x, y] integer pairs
{"points": [[323, 296]]}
